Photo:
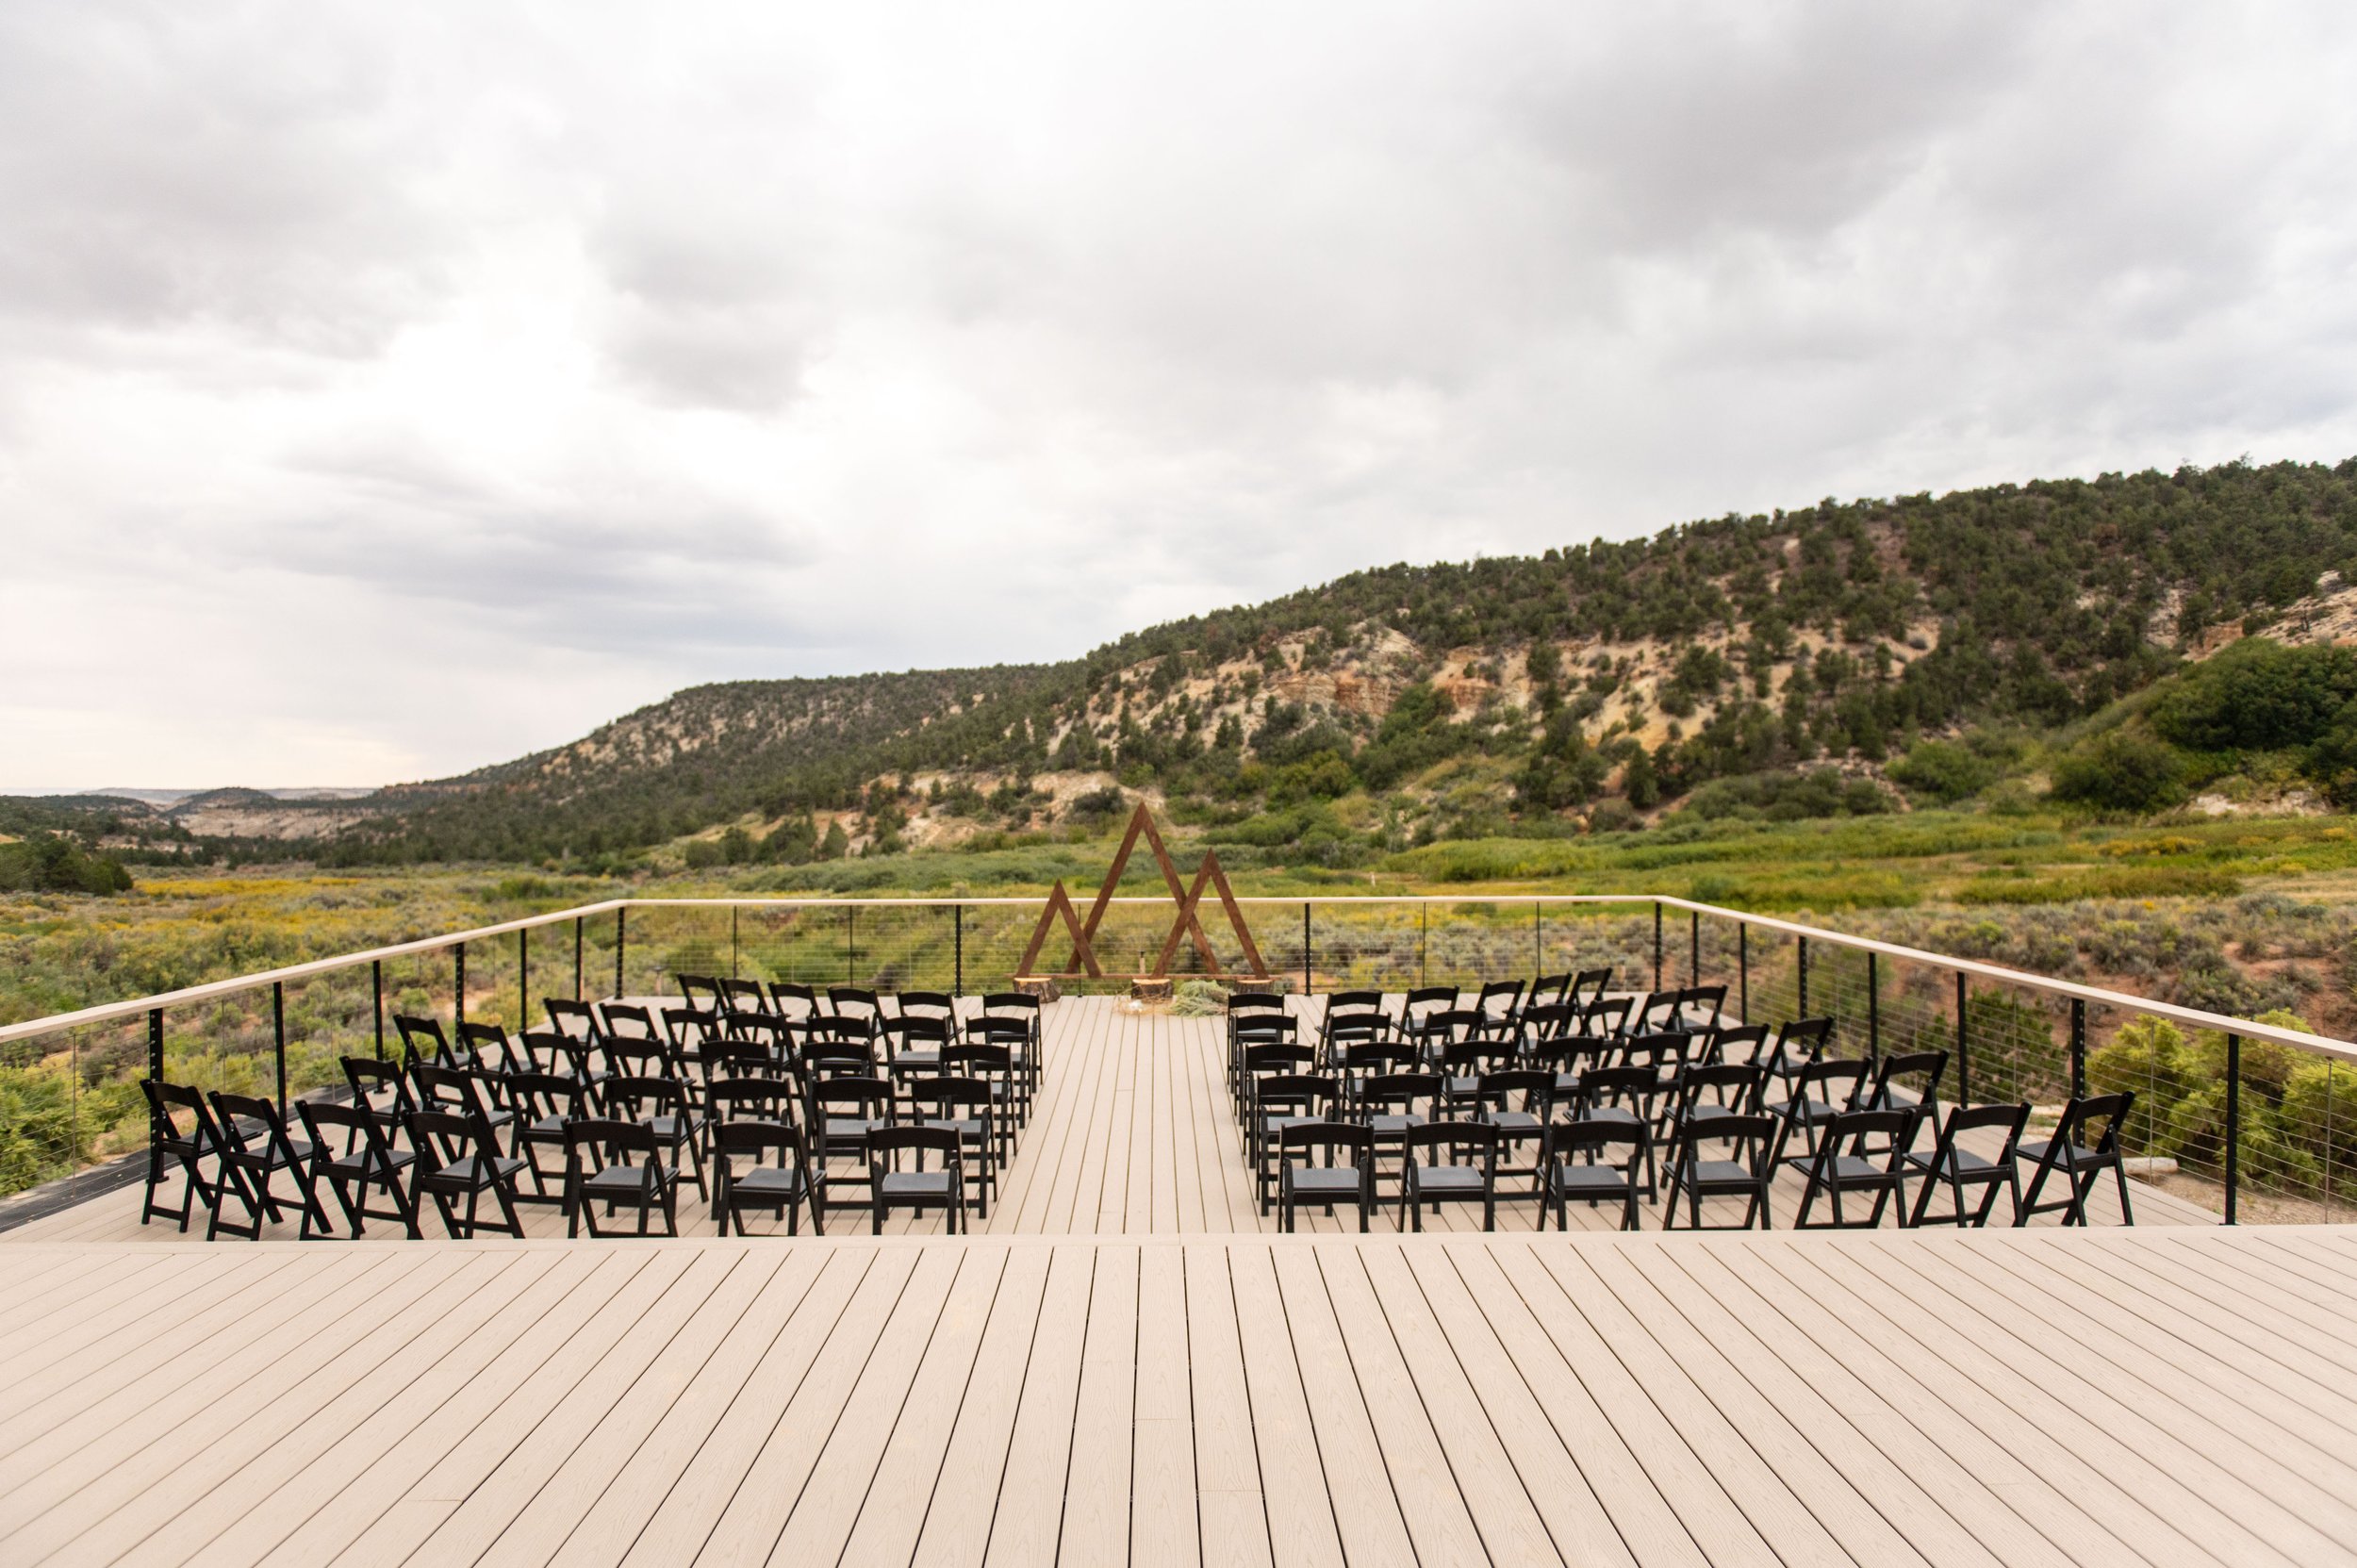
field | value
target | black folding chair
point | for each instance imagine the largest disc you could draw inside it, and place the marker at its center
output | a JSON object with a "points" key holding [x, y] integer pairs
{"points": [[1386, 1105], [170, 1105], [618, 1164], [741, 998], [662, 1106], [367, 1161], [1757, 1139], [1951, 1165], [1593, 1177], [700, 991], [1519, 1102], [1281, 1100], [458, 1156], [844, 1112], [966, 1107], [2080, 1159], [255, 1145], [918, 1189], [781, 1188], [1326, 1182], [1847, 1162], [1435, 1180], [546, 1104], [1817, 1092], [1630, 1094]]}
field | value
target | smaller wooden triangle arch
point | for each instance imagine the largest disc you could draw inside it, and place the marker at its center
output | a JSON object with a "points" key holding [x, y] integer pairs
{"points": [[1208, 873], [1060, 904], [1142, 825]]}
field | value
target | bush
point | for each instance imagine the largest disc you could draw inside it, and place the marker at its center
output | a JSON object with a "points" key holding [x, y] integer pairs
{"points": [[2121, 770], [2257, 695], [47, 863], [1944, 771], [1789, 797]]}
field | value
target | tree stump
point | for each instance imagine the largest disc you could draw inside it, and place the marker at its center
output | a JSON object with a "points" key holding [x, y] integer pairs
{"points": [[1042, 986], [1151, 988]]}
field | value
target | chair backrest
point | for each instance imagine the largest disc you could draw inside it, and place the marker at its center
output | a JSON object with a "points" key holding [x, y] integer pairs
{"points": [[864, 1096], [743, 1055], [1278, 1056], [323, 1119], [1509, 992], [1800, 1040], [1926, 1067], [1589, 986], [370, 1078], [753, 1099], [916, 1031], [1353, 1001], [485, 1047], [1758, 1133], [1548, 1020], [612, 1141], [1535, 1086], [1856, 1127], [1822, 1079], [1402, 1090], [1327, 1136], [839, 1039], [699, 990], [1427, 998], [983, 1058], [1252, 1027], [637, 1056], [422, 1040], [546, 1050], [645, 1095], [444, 1088], [1371, 1056], [1966, 1119], [1547, 991], [1605, 1017], [853, 1001], [1735, 1043], [1019, 1002], [1729, 1085], [690, 1028], [1294, 1093], [626, 1021], [1664, 1049], [536, 1096], [1603, 1087], [1355, 1028], [1000, 1028], [791, 1000], [575, 1021], [927, 1004], [885, 1143], [452, 1136], [949, 1091], [2111, 1111], [735, 996], [1570, 1137], [758, 1138], [232, 1110], [1255, 1001], [1483, 1136]]}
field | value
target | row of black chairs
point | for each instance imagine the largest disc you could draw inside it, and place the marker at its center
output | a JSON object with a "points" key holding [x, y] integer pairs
{"points": [[761, 1111]]}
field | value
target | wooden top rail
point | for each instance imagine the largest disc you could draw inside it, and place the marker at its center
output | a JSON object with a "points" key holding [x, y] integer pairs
{"points": [[2195, 1016]]}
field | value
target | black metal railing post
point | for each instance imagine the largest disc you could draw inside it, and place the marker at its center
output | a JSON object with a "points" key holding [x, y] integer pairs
{"points": [[1305, 948], [1424, 942], [1657, 945], [580, 947], [734, 959], [1800, 947], [156, 1071], [957, 984], [459, 982], [1873, 1007], [523, 977], [1538, 938], [1964, 1048], [376, 1001], [2234, 1125], [1743, 970], [278, 1033], [2078, 1048], [621, 935], [1693, 947]]}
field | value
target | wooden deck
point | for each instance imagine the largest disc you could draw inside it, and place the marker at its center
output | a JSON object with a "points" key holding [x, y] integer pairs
{"points": [[1134, 1135], [2161, 1397]]}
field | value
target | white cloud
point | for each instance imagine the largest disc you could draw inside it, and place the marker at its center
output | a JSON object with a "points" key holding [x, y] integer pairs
{"points": [[386, 392]]}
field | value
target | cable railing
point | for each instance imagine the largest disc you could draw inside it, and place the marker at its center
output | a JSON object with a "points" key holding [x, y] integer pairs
{"points": [[2243, 1107]]}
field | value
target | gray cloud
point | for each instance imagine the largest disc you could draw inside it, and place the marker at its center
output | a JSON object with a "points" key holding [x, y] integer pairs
{"points": [[441, 383]]}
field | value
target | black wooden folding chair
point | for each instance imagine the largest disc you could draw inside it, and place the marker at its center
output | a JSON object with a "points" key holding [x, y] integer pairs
{"points": [[184, 1134], [368, 1160], [1757, 1139], [1593, 1177], [1847, 1162], [2081, 1158], [917, 1189], [1428, 1178], [256, 1144], [780, 1177], [618, 1164], [458, 1156], [1954, 1167], [1344, 1172]]}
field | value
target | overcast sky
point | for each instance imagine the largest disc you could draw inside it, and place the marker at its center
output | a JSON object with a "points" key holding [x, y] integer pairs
{"points": [[387, 390]]}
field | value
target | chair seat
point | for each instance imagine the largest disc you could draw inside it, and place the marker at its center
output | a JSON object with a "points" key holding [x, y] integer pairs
{"points": [[547, 1129], [1849, 1170], [1516, 1123], [672, 1129], [1447, 1181], [1963, 1162], [915, 1184], [767, 1184], [627, 1182], [1582, 1181], [966, 1127], [2079, 1153], [1390, 1125], [468, 1172], [1618, 1113], [1324, 1178], [850, 1128], [365, 1165], [1812, 1110], [1711, 1174]]}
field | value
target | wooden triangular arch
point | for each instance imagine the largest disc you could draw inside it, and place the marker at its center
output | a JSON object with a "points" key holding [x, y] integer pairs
{"points": [[1085, 932]]}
